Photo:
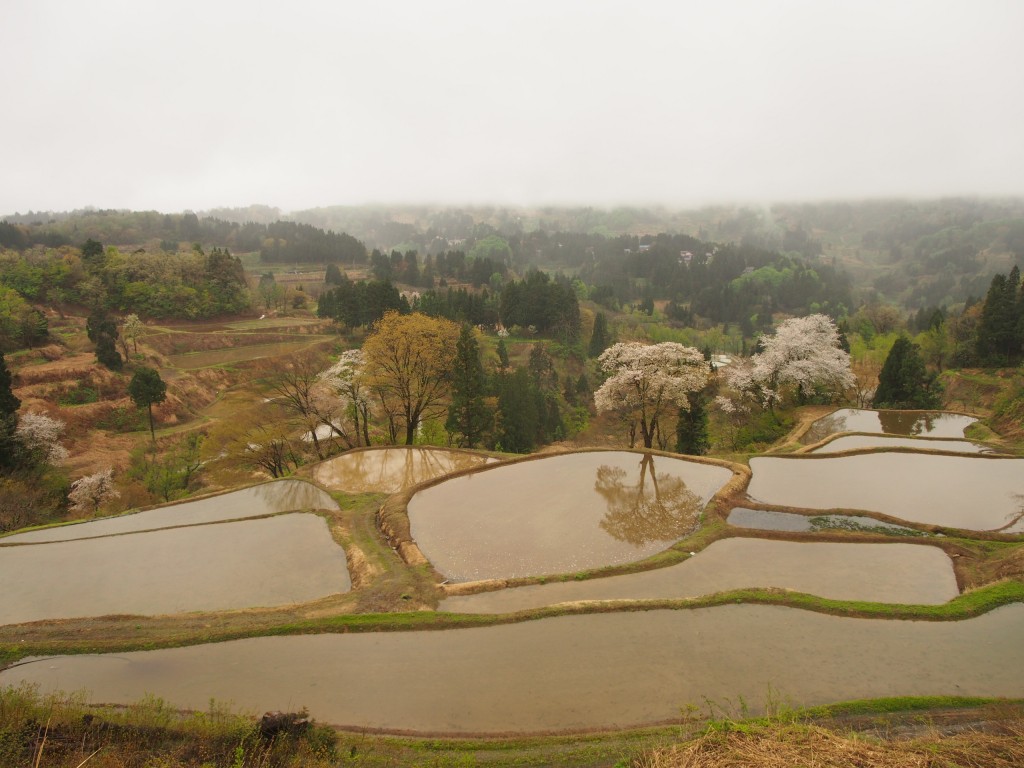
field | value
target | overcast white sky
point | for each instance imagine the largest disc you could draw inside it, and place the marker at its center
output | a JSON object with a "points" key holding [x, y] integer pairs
{"points": [[190, 105]]}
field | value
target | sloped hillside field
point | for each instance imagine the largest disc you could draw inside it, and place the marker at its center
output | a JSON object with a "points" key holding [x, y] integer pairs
{"points": [[560, 514]]}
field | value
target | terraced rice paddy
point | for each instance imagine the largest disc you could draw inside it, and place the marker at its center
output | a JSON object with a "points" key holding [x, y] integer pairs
{"points": [[861, 442], [975, 493], [770, 520], [904, 423], [273, 561], [389, 470], [884, 573], [550, 515], [561, 513], [256, 501], [567, 673]]}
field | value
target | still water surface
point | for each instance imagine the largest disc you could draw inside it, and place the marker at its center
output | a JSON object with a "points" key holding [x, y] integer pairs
{"points": [[272, 561], [884, 573], [770, 520], [257, 501], [572, 672], [970, 492], [905, 423], [561, 513], [858, 442], [389, 470]]}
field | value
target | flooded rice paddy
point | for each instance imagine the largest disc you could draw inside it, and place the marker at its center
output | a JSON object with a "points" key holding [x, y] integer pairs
{"points": [[574, 672], [389, 470], [560, 514], [969, 492], [272, 561], [884, 573], [859, 442], [770, 520], [257, 501], [904, 423]]}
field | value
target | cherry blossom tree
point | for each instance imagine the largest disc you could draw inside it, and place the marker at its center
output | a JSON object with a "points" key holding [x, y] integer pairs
{"points": [[40, 434], [647, 380], [803, 356], [346, 381], [89, 492]]}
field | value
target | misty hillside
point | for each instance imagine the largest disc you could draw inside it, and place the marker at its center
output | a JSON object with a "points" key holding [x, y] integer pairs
{"points": [[911, 253]]}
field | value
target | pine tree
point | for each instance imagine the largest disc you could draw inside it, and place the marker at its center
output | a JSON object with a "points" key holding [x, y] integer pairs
{"points": [[147, 389], [998, 339], [904, 383], [468, 415], [599, 339], [692, 427], [9, 404], [10, 446]]}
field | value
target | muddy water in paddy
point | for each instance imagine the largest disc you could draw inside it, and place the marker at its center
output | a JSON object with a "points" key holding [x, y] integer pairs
{"points": [[572, 672], [389, 470], [857, 442], [905, 423], [560, 514], [257, 501], [885, 573], [769, 520], [974, 493], [273, 561]]}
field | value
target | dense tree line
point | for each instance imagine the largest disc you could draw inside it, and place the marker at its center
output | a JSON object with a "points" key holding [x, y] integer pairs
{"points": [[360, 304], [182, 284], [287, 241], [549, 305]]}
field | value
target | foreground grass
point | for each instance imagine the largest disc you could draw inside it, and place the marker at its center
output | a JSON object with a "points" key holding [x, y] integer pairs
{"points": [[61, 731]]}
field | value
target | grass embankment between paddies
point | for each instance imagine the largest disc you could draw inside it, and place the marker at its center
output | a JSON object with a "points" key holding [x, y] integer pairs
{"points": [[62, 731], [122, 634]]}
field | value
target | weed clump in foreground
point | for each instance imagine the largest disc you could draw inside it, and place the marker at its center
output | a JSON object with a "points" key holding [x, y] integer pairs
{"points": [[783, 745], [61, 731]]}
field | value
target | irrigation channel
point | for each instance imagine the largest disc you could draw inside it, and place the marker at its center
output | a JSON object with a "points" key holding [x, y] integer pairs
{"points": [[545, 518]]}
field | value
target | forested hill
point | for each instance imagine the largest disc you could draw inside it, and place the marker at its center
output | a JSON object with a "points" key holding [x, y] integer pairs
{"points": [[277, 241], [911, 253], [914, 254]]}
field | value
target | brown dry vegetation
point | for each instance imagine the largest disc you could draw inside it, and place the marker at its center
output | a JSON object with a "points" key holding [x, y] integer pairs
{"points": [[999, 745]]}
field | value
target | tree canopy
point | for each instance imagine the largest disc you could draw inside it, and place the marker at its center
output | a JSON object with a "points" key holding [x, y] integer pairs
{"points": [[409, 359], [147, 389], [645, 381]]}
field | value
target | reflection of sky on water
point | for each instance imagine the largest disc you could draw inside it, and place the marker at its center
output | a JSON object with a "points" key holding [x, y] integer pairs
{"points": [[560, 514], [904, 423], [970, 492], [271, 561], [858, 442], [389, 470], [259, 500]]}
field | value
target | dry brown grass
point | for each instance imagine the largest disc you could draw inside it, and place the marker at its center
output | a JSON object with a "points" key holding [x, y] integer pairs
{"points": [[1001, 746]]}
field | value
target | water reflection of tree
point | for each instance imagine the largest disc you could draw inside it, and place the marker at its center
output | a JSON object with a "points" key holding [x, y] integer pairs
{"points": [[903, 423], [656, 508], [825, 426]]}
